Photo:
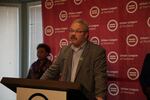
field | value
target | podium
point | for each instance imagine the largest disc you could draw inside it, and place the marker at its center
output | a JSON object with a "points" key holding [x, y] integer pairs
{"points": [[31, 89]]}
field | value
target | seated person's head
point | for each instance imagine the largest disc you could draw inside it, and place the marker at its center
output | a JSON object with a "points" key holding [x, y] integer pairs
{"points": [[43, 51]]}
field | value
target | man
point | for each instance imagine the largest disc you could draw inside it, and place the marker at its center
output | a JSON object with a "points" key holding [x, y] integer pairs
{"points": [[81, 62], [145, 77]]}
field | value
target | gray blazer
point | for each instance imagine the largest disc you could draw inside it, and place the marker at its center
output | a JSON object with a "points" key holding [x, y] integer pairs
{"points": [[91, 70]]}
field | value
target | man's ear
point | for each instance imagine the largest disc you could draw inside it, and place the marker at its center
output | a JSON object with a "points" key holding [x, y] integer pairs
{"points": [[47, 54]]}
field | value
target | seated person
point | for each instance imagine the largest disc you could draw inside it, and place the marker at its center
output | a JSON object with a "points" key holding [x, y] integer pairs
{"points": [[40, 66], [145, 77]]}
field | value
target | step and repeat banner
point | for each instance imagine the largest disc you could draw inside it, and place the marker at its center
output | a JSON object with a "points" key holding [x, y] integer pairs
{"points": [[122, 27]]}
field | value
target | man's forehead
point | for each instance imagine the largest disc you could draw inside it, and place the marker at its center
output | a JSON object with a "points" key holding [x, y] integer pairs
{"points": [[75, 24]]}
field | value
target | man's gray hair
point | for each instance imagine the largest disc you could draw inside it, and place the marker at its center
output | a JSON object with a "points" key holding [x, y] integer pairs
{"points": [[84, 23]]}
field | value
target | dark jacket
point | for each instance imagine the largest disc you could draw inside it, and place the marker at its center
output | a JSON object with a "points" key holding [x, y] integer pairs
{"points": [[145, 77], [36, 70]]}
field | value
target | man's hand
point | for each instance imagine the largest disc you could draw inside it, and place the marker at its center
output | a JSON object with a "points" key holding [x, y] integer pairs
{"points": [[99, 98]]}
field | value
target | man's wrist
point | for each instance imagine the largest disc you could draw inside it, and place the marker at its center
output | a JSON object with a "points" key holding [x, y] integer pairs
{"points": [[99, 98]]}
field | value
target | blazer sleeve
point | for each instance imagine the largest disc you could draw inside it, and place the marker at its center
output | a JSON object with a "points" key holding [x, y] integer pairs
{"points": [[100, 73], [53, 71]]}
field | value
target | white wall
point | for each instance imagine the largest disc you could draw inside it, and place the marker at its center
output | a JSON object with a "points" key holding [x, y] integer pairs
{"points": [[9, 48]]}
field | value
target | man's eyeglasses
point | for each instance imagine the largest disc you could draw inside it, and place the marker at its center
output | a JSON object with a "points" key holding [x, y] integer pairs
{"points": [[76, 31]]}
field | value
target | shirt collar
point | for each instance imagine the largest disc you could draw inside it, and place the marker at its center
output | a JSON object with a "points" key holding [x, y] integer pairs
{"points": [[78, 48]]}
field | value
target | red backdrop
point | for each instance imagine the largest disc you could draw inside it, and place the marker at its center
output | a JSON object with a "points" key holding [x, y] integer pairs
{"points": [[122, 27]]}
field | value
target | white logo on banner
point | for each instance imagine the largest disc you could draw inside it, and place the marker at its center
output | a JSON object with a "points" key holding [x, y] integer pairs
{"points": [[112, 57], [94, 11], [63, 42], [95, 40], [63, 15], [131, 7], [49, 30], [78, 2], [132, 40], [112, 25], [113, 89], [50, 57], [133, 73], [148, 22], [49, 4]]}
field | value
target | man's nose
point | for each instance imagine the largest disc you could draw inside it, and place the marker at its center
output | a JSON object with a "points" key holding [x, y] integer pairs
{"points": [[73, 33]]}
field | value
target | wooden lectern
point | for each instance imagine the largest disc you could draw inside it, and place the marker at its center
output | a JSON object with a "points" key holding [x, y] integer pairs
{"points": [[29, 89]]}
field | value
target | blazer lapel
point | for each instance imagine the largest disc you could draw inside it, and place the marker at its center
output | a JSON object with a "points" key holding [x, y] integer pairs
{"points": [[69, 65], [66, 74], [82, 58]]}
